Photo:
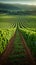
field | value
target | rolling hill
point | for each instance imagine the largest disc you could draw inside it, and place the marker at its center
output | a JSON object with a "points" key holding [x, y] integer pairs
{"points": [[17, 8]]}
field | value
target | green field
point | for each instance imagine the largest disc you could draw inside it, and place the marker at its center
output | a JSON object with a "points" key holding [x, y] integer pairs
{"points": [[9, 24]]}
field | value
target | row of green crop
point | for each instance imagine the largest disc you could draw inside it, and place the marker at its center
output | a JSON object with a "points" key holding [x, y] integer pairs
{"points": [[22, 25], [30, 38], [5, 35], [7, 25], [30, 28], [29, 21]]}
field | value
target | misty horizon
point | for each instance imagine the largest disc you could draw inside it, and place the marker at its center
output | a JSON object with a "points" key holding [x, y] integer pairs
{"points": [[23, 3], [28, 2]]}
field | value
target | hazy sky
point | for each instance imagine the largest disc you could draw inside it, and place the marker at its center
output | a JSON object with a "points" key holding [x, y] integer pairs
{"points": [[17, 0], [30, 2]]}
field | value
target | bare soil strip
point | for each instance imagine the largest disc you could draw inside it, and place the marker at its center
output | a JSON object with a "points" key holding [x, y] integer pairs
{"points": [[17, 57], [27, 50], [8, 49]]}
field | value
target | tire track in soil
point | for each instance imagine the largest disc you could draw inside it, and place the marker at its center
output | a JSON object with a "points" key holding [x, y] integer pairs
{"points": [[7, 51], [27, 50], [9, 48], [18, 55]]}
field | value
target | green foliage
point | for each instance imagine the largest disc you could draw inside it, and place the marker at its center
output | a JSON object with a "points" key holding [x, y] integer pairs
{"points": [[26, 24], [30, 38], [5, 36]]}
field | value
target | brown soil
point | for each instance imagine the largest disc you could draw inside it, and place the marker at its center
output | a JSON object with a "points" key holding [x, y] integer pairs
{"points": [[7, 51], [27, 50], [9, 48]]}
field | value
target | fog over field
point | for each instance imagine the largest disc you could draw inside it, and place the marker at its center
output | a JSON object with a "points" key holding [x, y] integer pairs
{"points": [[28, 2]]}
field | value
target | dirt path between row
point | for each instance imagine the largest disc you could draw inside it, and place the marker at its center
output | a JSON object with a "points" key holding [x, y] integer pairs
{"points": [[4, 57], [27, 50], [7, 51]]}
